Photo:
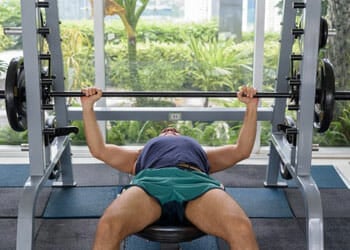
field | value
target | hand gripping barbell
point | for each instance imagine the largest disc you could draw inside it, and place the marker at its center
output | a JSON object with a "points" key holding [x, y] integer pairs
{"points": [[15, 95]]}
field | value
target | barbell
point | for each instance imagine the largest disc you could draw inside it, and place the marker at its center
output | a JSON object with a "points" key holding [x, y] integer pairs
{"points": [[15, 95]]}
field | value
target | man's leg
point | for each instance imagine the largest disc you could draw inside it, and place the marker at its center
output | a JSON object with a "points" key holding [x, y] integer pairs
{"points": [[216, 213], [132, 211]]}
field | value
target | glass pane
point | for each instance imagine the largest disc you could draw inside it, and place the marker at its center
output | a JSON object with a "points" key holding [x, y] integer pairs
{"points": [[198, 45]]}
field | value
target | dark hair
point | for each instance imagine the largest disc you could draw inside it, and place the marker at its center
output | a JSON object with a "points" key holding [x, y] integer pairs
{"points": [[169, 129]]}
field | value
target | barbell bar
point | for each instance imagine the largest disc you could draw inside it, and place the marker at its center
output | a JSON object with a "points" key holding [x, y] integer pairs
{"points": [[338, 95], [221, 94]]}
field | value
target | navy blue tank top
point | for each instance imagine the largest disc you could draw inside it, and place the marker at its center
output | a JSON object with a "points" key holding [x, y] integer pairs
{"points": [[167, 151]]}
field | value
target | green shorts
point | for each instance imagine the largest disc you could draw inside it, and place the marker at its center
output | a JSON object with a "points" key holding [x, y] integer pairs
{"points": [[173, 187]]}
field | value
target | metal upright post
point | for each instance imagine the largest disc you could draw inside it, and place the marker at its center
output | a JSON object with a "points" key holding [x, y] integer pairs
{"points": [[286, 44], [308, 69], [41, 158], [99, 44], [54, 42], [298, 159], [25, 222], [258, 63]]}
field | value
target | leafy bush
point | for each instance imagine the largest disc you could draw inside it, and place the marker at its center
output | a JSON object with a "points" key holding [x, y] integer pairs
{"points": [[11, 137], [163, 32], [160, 66], [10, 16], [338, 133], [207, 133], [78, 139], [5, 41]]}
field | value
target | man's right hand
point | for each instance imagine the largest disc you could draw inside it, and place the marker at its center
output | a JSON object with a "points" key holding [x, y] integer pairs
{"points": [[91, 95]]}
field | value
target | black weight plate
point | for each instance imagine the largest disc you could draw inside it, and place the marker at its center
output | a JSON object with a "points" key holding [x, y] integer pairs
{"points": [[324, 105], [323, 33], [21, 99], [10, 88], [12, 96]]}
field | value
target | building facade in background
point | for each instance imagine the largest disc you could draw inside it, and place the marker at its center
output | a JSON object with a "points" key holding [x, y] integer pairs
{"points": [[234, 16]]}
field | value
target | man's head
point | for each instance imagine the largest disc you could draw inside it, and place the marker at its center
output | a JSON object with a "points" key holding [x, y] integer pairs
{"points": [[170, 131]]}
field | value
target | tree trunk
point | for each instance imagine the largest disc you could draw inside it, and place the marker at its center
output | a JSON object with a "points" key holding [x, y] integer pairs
{"points": [[133, 68], [339, 45]]}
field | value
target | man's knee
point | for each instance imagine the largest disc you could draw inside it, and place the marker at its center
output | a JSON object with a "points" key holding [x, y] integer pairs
{"points": [[111, 224], [242, 224], [239, 232], [236, 226]]}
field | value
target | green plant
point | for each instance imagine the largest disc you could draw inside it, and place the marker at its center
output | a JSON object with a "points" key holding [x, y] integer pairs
{"points": [[11, 137], [78, 139], [10, 16], [134, 132], [77, 56], [5, 41], [338, 133], [160, 66], [129, 12], [213, 64]]}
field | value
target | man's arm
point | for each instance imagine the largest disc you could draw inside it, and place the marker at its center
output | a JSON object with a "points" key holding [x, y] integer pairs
{"points": [[226, 156], [115, 156]]}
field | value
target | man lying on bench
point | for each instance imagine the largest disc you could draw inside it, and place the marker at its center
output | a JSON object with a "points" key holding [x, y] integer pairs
{"points": [[172, 182]]}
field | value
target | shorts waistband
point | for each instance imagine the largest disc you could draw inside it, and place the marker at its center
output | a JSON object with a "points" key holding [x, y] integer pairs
{"points": [[189, 167]]}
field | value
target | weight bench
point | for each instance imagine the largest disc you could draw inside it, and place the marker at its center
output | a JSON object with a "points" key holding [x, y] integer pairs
{"points": [[170, 237]]}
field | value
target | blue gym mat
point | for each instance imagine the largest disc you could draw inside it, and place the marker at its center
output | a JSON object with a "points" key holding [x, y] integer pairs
{"points": [[324, 176], [15, 175], [262, 202], [90, 202], [80, 202]]}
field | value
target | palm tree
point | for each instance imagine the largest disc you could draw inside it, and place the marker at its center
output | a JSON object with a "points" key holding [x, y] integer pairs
{"points": [[129, 12], [339, 54]]}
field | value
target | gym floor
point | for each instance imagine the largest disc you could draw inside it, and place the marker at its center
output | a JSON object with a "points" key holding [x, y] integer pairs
{"points": [[272, 233]]}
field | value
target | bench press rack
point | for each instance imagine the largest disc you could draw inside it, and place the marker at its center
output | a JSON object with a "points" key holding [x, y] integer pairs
{"points": [[44, 157]]}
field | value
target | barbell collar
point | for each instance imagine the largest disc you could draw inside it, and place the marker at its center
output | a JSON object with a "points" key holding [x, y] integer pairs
{"points": [[221, 94], [42, 4], [12, 30]]}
